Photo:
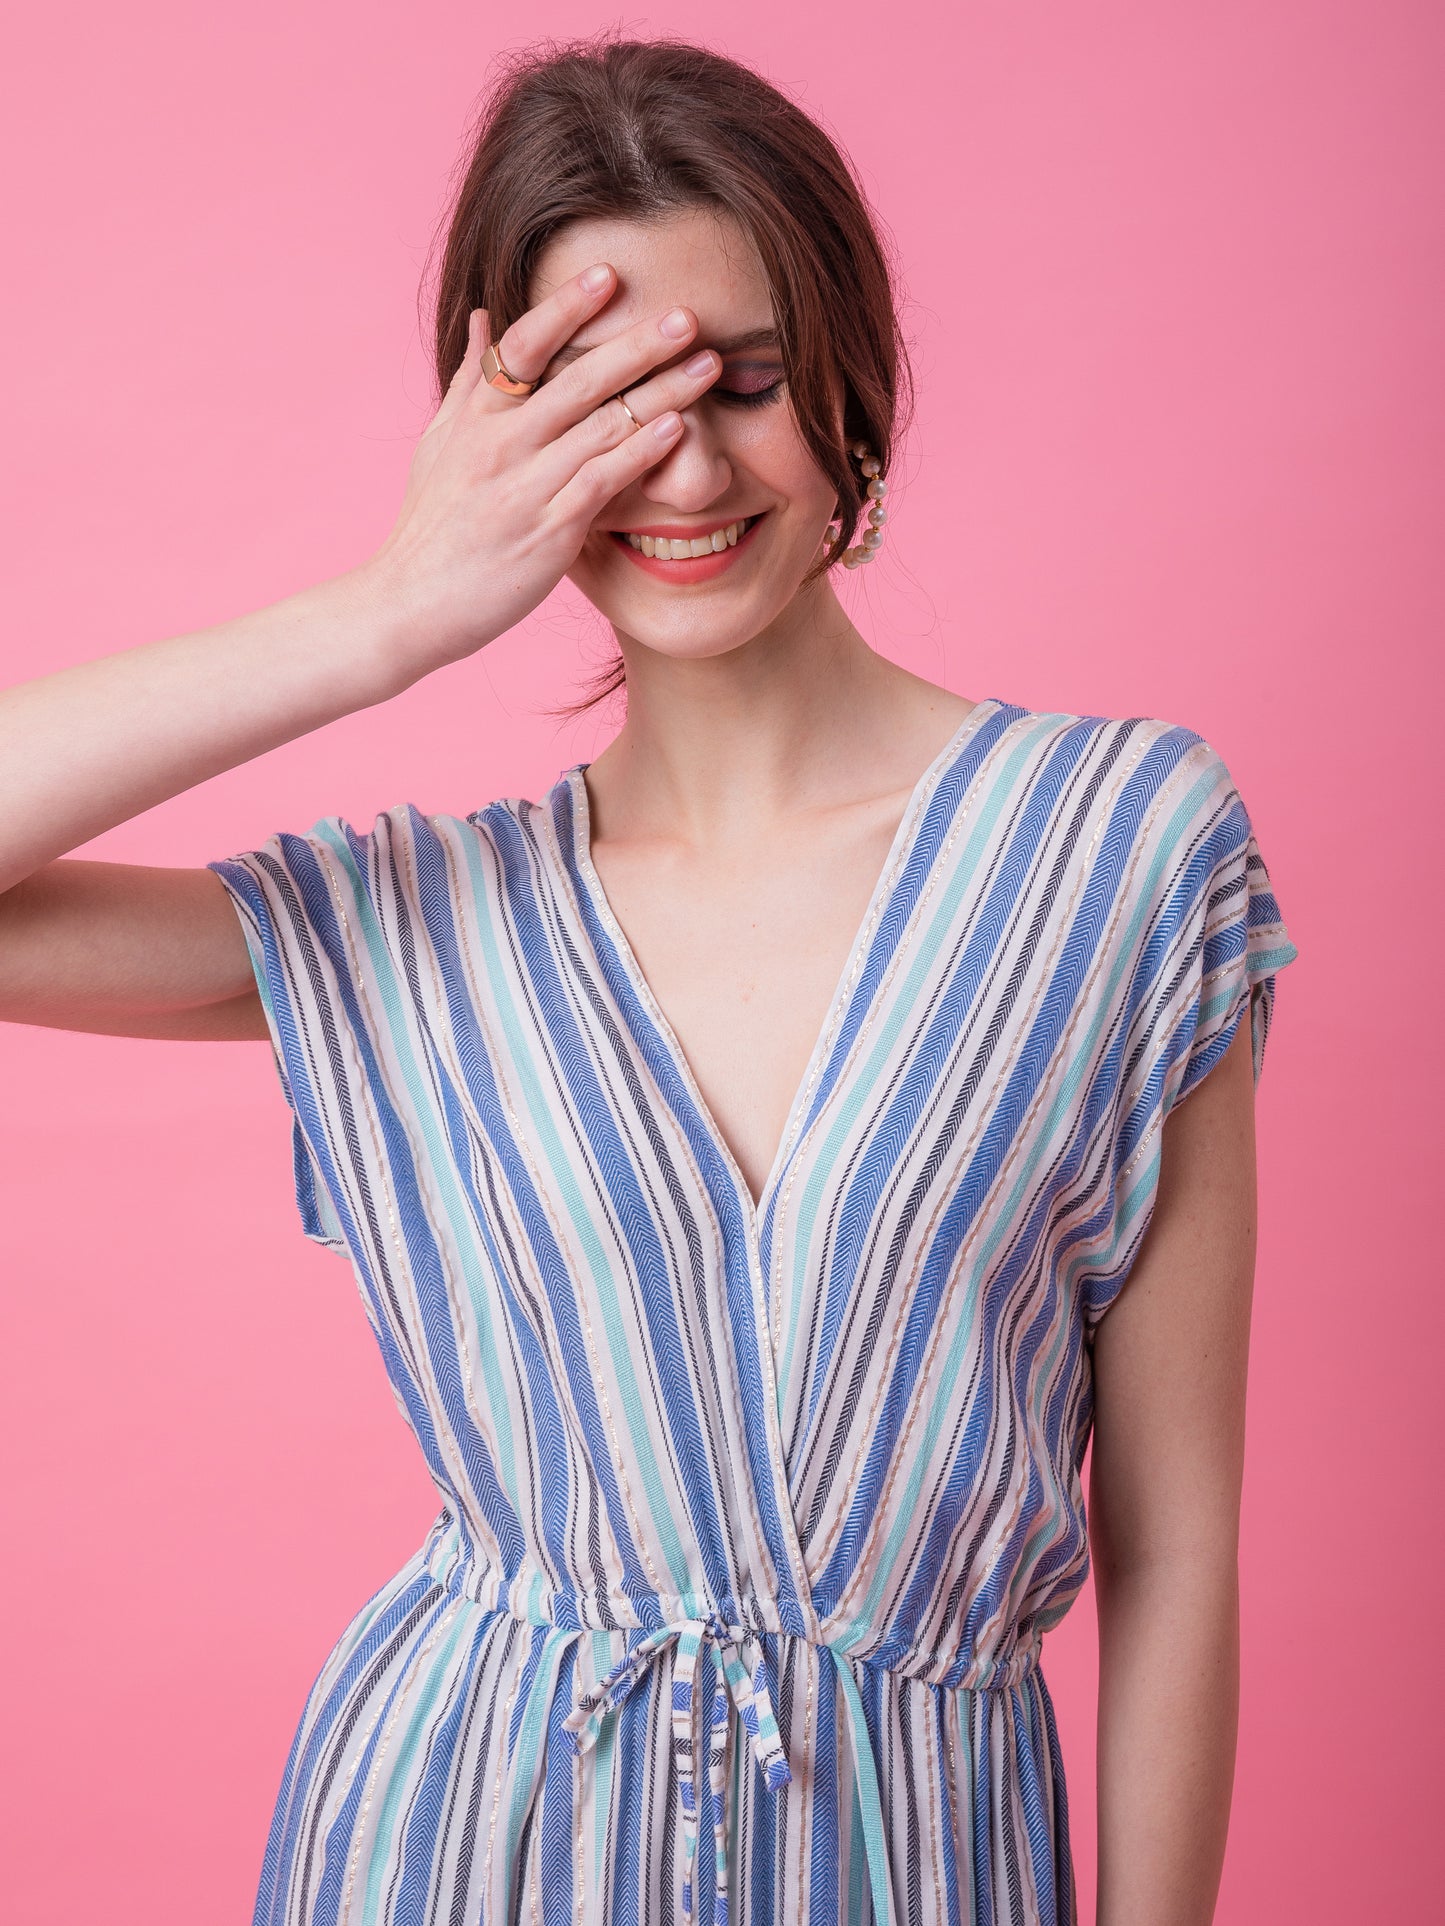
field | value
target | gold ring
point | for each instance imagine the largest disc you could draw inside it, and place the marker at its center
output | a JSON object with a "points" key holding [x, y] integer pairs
{"points": [[496, 376], [628, 412]]}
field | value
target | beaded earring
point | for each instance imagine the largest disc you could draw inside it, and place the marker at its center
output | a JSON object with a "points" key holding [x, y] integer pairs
{"points": [[872, 471]]}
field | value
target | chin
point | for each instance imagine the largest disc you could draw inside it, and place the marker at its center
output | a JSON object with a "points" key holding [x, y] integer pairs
{"points": [[686, 635], [689, 624]]}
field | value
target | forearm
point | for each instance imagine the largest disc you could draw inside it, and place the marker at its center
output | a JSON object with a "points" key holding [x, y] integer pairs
{"points": [[95, 744], [1168, 1730]]}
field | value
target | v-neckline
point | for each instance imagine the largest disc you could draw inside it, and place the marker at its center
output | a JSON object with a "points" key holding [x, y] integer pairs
{"points": [[915, 810]]}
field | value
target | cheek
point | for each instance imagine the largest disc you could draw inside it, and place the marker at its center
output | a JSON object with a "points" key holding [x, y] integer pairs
{"points": [[780, 459]]}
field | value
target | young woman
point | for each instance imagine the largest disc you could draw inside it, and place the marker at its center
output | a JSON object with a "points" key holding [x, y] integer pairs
{"points": [[739, 1149]]}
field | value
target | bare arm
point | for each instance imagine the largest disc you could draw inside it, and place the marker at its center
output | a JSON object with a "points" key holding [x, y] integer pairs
{"points": [[1170, 1362], [127, 950], [159, 952], [94, 745], [499, 500]]}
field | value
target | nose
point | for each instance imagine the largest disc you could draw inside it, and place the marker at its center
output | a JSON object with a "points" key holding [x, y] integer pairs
{"points": [[693, 473]]}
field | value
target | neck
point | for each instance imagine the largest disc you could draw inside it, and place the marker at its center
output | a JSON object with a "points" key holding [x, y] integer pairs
{"points": [[716, 747]]}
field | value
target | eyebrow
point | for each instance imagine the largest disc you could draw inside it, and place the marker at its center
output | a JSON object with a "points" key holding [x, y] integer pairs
{"points": [[734, 344]]}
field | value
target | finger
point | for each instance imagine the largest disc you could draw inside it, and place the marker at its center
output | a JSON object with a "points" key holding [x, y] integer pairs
{"points": [[605, 476], [468, 370], [609, 425], [534, 337], [604, 370], [674, 387]]}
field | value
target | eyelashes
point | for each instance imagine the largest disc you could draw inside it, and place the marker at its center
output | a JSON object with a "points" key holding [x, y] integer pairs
{"points": [[748, 397]]}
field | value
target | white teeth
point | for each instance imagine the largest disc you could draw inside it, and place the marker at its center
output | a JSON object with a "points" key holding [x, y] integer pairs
{"points": [[683, 548]]}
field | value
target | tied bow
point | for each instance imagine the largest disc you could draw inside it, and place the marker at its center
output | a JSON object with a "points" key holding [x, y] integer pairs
{"points": [[748, 1691]]}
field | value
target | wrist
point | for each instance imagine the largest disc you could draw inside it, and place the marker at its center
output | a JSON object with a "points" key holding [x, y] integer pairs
{"points": [[383, 641], [412, 635]]}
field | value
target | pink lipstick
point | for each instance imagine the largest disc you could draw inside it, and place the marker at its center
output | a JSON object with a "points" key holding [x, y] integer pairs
{"points": [[693, 568]]}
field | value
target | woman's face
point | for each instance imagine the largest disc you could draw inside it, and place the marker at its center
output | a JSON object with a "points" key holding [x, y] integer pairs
{"points": [[739, 459]]}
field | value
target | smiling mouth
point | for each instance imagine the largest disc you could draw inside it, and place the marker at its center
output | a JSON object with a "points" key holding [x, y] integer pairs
{"points": [[686, 548]]}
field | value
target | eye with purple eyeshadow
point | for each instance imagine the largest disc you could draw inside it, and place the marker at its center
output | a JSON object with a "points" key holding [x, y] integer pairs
{"points": [[748, 385]]}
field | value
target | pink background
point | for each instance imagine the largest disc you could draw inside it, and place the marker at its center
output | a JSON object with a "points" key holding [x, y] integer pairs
{"points": [[1176, 297]]}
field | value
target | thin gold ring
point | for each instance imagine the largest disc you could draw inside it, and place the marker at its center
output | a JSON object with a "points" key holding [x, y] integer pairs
{"points": [[496, 376], [628, 412]]}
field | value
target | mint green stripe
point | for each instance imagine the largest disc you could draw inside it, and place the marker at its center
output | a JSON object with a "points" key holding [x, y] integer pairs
{"points": [[875, 1838]]}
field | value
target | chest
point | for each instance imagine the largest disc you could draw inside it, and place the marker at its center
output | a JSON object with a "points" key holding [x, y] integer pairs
{"points": [[745, 956]]}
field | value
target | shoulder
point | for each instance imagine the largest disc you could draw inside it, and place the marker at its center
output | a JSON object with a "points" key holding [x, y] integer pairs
{"points": [[1136, 817], [407, 868], [1134, 771], [1159, 738]]}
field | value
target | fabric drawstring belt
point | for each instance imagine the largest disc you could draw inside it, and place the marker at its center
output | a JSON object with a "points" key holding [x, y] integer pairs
{"points": [[747, 1689]]}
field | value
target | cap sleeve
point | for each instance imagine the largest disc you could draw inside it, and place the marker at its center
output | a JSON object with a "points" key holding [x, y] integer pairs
{"points": [[1203, 942], [307, 904]]}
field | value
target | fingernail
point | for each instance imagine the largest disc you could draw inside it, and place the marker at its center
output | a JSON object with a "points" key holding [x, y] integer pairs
{"points": [[596, 278], [675, 324], [666, 426], [700, 364]]}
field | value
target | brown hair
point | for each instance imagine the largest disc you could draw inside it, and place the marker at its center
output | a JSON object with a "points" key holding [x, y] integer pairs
{"points": [[634, 129]]}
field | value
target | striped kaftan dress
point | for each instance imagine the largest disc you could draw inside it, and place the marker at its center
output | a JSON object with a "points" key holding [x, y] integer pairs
{"points": [[752, 1517]]}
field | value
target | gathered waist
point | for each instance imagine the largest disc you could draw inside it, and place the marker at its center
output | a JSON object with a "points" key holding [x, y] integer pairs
{"points": [[618, 1614]]}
